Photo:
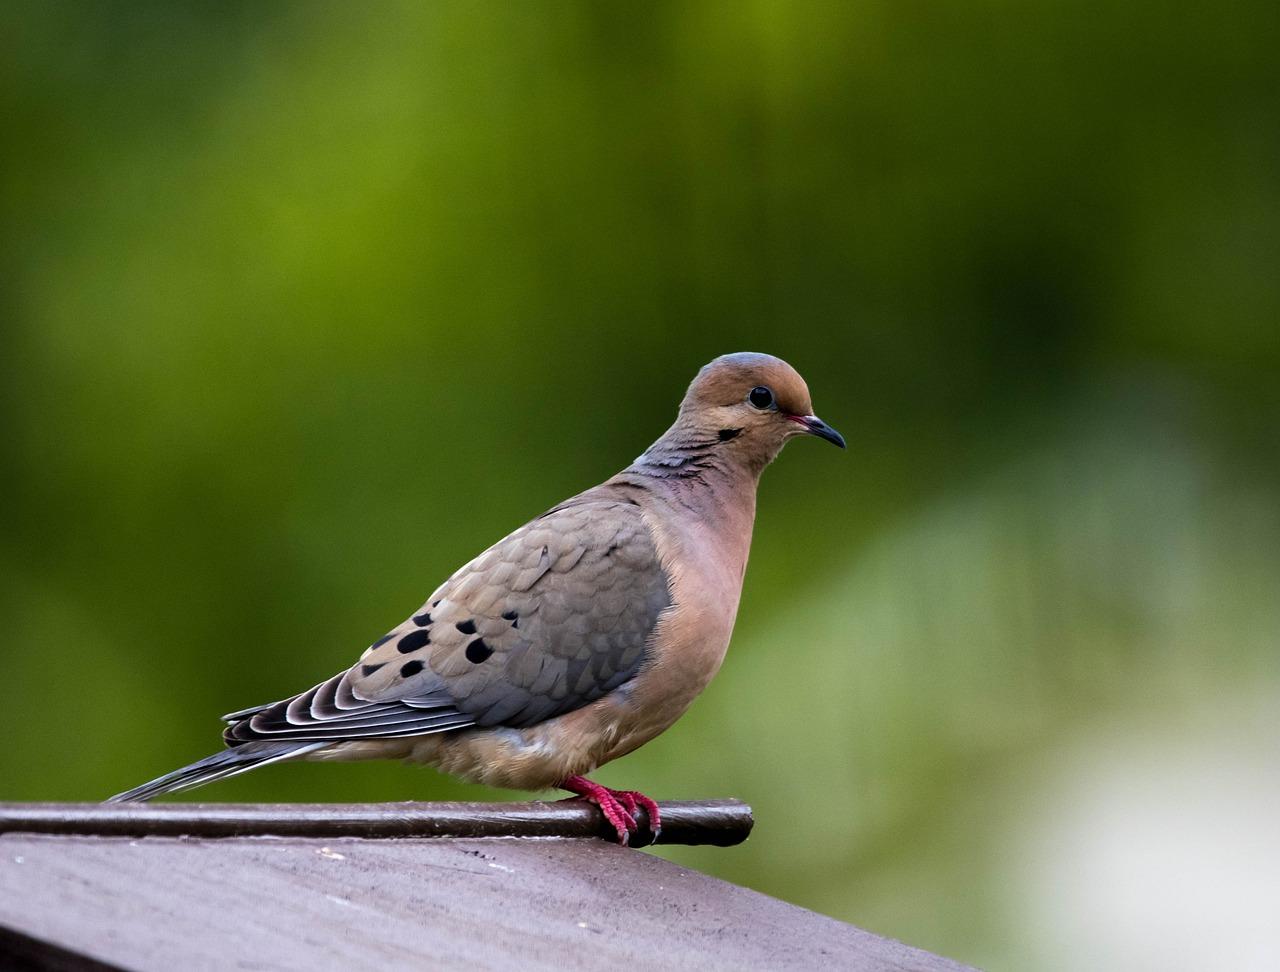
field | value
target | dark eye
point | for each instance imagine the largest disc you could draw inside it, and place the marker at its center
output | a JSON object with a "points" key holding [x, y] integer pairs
{"points": [[761, 397]]}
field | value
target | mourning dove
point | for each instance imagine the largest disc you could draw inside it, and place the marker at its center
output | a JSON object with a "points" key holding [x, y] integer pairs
{"points": [[575, 639]]}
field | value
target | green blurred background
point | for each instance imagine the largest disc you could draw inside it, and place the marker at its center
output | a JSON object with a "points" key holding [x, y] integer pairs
{"points": [[306, 303]]}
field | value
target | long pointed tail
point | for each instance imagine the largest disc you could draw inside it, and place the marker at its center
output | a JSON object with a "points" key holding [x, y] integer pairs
{"points": [[219, 766]]}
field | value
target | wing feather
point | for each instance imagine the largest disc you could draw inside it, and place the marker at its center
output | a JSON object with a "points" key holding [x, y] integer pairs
{"points": [[547, 620]]}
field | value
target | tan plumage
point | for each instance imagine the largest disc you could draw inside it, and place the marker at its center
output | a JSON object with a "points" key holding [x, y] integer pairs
{"points": [[573, 640]]}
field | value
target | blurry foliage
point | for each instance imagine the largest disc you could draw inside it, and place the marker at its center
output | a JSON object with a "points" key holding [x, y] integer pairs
{"points": [[306, 303]]}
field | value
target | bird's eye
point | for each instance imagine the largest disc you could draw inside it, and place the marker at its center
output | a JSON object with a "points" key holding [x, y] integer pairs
{"points": [[761, 397]]}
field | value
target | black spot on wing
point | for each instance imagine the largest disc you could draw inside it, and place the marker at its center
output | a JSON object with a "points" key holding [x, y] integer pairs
{"points": [[467, 627], [368, 670], [478, 651], [410, 669], [413, 641], [423, 619]]}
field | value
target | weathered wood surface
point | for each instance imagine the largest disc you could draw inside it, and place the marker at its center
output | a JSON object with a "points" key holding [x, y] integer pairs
{"points": [[85, 902], [719, 822]]}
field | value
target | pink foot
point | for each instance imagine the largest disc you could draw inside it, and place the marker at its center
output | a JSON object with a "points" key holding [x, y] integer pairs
{"points": [[618, 806]]}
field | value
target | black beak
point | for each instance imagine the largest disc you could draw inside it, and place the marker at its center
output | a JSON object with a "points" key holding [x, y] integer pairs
{"points": [[815, 426]]}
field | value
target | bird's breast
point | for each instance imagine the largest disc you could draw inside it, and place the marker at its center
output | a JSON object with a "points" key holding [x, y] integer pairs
{"points": [[689, 642]]}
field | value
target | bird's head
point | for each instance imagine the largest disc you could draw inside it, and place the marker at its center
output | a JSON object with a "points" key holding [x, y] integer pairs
{"points": [[753, 403]]}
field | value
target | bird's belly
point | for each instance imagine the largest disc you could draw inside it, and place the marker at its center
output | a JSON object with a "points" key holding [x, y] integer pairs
{"points": [[535, 758]]}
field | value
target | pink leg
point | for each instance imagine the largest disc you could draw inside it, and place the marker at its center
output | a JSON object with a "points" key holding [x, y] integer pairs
{"points": [[618, 806]]}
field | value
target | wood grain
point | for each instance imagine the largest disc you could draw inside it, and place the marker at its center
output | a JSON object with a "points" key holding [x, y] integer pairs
{"points": [[277, 904]]}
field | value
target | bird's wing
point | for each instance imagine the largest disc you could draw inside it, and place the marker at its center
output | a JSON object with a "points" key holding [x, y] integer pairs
{"points": [[552, 617]]}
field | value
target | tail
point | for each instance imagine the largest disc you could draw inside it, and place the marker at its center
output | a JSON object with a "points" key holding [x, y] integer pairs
{"points": [[219, 766]]}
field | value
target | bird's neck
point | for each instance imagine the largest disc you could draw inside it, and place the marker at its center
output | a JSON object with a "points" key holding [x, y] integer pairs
{"points": [[707, 492], [698, 476], [698, 457]]}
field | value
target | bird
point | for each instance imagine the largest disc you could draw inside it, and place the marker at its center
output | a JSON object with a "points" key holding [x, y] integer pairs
{"points": [[572, 641]]}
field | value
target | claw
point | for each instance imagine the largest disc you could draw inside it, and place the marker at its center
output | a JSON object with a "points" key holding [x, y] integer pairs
{"points": [[628, 799], [618, 806], [651, 811]]}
